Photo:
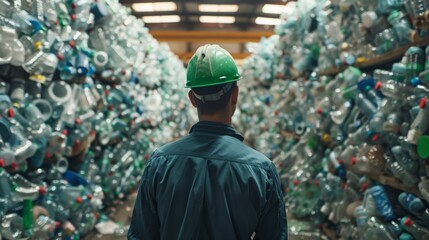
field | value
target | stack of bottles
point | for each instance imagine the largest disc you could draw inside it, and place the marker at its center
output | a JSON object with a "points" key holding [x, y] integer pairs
{"points": [[352, 149], [86, 94], [335, 34]]}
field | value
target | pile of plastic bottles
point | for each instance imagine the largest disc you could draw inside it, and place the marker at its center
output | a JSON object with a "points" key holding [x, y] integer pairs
{"points": [[335, 34], [86, 94], [352, 149]]}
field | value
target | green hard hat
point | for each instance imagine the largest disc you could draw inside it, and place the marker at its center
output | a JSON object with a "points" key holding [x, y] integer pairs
{"points": [[211, 65]]}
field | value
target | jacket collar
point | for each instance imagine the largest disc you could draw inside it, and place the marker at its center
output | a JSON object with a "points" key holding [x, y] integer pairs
{"points": [[216, 128]]}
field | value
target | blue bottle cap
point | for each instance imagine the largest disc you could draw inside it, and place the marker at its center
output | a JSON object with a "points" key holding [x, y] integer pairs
{"points": [[365, 83], [415, 81]]}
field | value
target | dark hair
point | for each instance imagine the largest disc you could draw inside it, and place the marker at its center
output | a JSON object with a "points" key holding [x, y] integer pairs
{"points": [[211, 107]]}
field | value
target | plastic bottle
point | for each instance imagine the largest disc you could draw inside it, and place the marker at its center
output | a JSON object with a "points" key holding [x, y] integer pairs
{"points": [[384, 207], [404, 159], [392, 123], [365, 105], [424, 188], [377, 230], [420, 123], [395, 90], [411, 203], [362, 217], [400, 173], [416, 230], [414, 62]]}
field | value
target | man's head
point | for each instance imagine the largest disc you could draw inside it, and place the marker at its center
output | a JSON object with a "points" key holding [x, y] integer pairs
{"points": [[212, 76]]}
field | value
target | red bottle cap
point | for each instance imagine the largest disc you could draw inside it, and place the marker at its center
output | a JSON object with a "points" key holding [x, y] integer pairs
{"points": [[60, 56], [378, 85], [79, 200], [423, 102], [1, 162], [72, 44], [353, 160], [65, 132], [319, 110], [316, 182], [375, 137], [57, 224], [77, 121], [10, 113], [295, 182], [42, 190], [14, 165], [89, 196], [408, 222], [364, 186]]}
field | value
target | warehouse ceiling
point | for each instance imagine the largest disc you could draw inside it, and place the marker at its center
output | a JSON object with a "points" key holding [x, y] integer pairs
{"points": [[188, 11], [185, 25]]}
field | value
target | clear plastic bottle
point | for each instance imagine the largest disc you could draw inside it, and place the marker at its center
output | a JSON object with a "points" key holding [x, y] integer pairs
{"points": [[420, 123], [400, 173], [418, 231], [414, 62], [365, 105], [377, 230], [404, 159], [362, 217], [424, 188], [395, 90]]}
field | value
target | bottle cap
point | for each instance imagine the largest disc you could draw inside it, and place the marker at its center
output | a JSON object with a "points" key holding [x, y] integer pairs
{"points": [[408, 222], [423, 146], [368, 19], [10, 113], [415, 81]]}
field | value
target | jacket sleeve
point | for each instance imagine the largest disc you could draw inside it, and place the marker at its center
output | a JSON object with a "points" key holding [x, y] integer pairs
{"points": [[144, 221], [273, 223]]}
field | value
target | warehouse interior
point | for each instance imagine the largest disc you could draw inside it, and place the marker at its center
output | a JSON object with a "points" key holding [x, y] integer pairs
{"points": [[333, 92]]}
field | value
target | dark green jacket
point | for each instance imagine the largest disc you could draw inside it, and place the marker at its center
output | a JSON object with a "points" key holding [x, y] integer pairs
{"points": [[209, 185]]}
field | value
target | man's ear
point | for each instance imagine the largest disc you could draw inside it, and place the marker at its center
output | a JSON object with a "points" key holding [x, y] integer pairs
{"points": [[234, 95], [192, 98]]}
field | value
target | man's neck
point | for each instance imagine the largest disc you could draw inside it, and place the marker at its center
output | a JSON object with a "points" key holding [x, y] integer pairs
{"points": [[216, 118]]}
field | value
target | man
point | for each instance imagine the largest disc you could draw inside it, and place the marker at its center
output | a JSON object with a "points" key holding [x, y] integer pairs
{"points": [[209, 185]]}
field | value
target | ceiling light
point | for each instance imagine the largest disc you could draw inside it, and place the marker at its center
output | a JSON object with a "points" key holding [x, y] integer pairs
{"points": [[161, 19], [267, 21], [154, 7], [273, 8], [217, 19], [218, 7]]}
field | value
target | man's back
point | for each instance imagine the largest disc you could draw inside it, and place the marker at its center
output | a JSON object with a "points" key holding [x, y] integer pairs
{"points": [[209, 185]]}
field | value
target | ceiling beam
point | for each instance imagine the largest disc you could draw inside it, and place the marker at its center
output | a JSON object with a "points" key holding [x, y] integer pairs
{"points": [[211, 1], [210, 36], [197, 14]]}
